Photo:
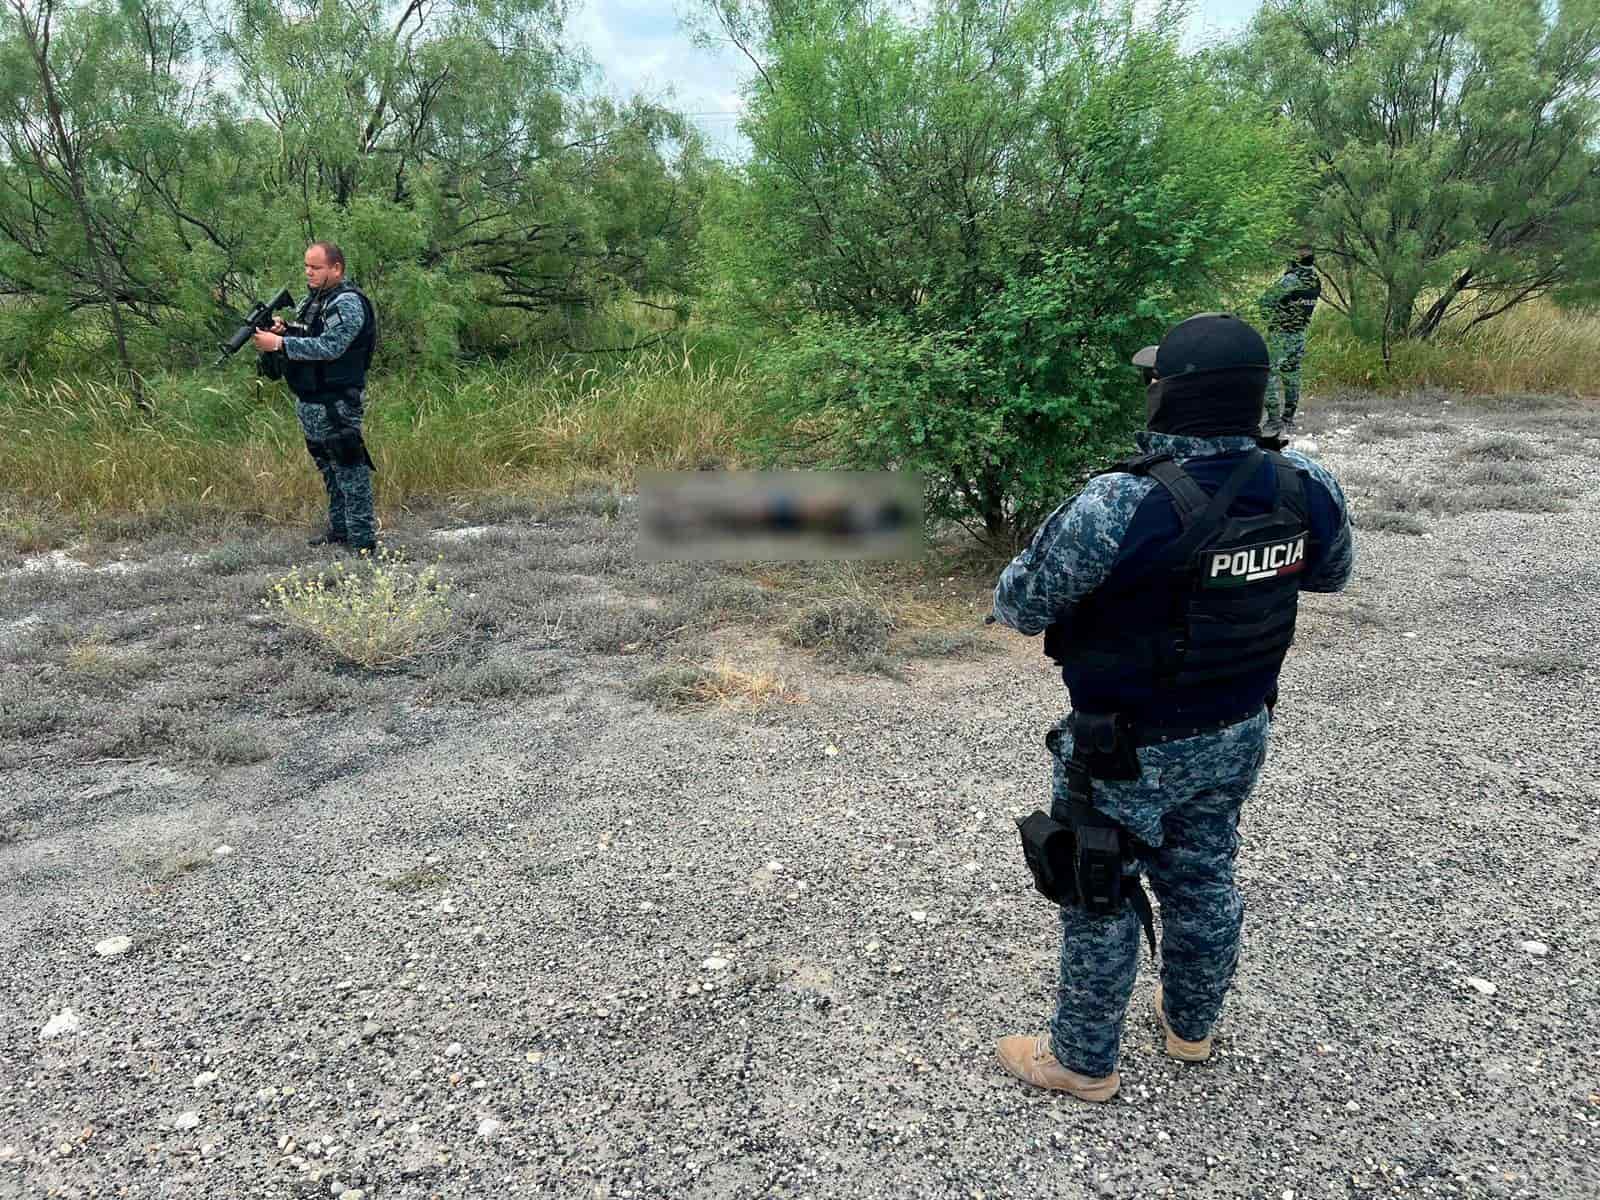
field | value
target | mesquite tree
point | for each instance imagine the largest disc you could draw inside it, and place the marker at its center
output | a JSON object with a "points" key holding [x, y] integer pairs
{"points": [[960, 218], [1456, 146], [183, 156]]}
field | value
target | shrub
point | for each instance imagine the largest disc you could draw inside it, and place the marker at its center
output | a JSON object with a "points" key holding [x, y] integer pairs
{"points": [[380, 613], [842, 629], [961, 220]]}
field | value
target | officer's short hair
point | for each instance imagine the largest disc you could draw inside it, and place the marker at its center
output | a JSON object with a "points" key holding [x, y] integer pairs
{"points": [[330, 251]]}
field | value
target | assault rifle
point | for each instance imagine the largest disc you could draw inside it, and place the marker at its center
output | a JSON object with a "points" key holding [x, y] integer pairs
{"points": [[259, 317]]}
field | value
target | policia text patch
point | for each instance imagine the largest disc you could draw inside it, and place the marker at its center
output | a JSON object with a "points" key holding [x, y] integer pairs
{"points": [[1250, 564]]}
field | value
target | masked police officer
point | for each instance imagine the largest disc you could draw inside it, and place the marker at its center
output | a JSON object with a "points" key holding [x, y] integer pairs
{"points": [[1288, 306], [323, 356], [1167, 592]]}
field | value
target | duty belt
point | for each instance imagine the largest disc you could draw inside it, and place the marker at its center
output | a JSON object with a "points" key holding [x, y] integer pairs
{"points": [[1150, 735]]}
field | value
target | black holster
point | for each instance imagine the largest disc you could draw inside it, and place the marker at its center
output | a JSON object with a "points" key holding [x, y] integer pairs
{"points": [[1081, 862]]}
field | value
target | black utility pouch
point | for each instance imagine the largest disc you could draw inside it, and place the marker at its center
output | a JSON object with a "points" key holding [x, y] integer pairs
{"points": [[1099, 865], [1104, 743], [1047, 847]]}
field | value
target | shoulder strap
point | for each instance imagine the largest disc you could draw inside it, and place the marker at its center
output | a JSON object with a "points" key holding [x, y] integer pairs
{"points": [[1139, 464], [1215, 512], [1291, 486], [370, 317], [1188, 497]]}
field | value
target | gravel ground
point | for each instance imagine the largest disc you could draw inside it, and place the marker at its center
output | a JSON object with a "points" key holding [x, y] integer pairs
{"points": [[578, 946]]}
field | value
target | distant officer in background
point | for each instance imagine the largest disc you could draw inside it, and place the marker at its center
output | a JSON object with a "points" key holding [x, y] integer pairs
{"points": [[1167, 592], [1288, 306], [323, 355]]}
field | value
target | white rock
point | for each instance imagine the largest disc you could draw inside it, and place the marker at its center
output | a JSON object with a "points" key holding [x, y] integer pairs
{"points": [[831, 751], [919, 917], [65, 1021], [452, 1050], [205, 1079], [1408, 635], [354, 1194], [187, 1120], [1537, 949], [715, 963], [488, 1127], [469, 533], [114, 946], [1481, 985], [9, 1153], [222, 852], [774, 865], [1353, 1106]]}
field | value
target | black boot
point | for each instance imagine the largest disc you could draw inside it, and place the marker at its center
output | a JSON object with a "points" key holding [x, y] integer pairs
{"points": [[327, 538]]}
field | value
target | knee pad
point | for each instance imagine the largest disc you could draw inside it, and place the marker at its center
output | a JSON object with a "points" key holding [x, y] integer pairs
{"points": [[348, 450]]}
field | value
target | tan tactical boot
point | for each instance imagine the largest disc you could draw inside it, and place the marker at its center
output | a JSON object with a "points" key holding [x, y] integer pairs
{"points": [[1030, 1060], [1181, 1048]]}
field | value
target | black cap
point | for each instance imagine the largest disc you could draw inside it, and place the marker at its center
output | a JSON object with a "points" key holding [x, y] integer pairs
{"points": [[1209, 342]]}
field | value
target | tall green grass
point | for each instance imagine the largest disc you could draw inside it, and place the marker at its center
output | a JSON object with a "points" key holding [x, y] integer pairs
{"points": [[75, 450], [1535, 348], [227, 444]]}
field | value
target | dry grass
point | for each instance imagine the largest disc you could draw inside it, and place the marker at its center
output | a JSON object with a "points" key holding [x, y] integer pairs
{"points": [[499, 677], [1535, 349], [1495, 473], [958, 643], [1387, 520], [1498, 448], [230, 746], [722, 685]]}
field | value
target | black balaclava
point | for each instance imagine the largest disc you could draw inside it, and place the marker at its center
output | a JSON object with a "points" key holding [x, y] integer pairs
{"points": [[1211, 379]]}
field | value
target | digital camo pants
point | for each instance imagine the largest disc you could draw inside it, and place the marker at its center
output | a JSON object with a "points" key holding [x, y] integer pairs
{"points": [[333, 437], [1283, 385], [1185, 811]]}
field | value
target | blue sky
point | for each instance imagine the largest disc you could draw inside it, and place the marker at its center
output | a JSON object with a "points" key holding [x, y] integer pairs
{"points": [[642, 47]]}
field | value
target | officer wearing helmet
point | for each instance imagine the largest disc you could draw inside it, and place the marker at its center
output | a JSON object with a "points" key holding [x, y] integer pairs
{"points": [[1166, 591]]}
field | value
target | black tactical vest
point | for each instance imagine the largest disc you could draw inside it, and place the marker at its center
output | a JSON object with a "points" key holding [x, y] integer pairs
{"points": [[1213, 609], [348, 372]]}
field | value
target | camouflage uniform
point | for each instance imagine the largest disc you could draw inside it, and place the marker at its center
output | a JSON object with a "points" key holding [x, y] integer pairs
{"points": [[1184, 809], [349, 484], [1288, 349], [1288, 305]]}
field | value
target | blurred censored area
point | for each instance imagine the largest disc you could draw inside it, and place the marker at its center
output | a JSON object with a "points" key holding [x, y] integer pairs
{"points": [[764, 516]]}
